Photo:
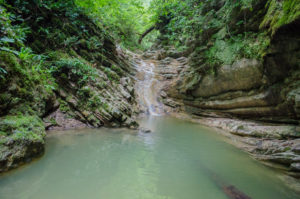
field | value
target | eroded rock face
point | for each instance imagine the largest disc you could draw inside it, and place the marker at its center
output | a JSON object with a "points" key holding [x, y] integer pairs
{"points": [[91, 83], [255, 102], [248, 88], [244, 74]]}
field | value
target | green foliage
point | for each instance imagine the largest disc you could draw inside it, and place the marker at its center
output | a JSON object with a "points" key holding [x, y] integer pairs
{"points": [[85, 93], [112, 76], [22, 127], [94, 102], [124, 19], [2, 73], [280, 13], [226, 51], [29, 70], [22, 60], [177, 20], [11, 36], [26, 54], [221, 32], [63, 106], [74, 69], [117, 69]]}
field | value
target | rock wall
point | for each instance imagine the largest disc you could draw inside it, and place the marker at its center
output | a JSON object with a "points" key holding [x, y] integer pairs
{"points": [[243, 79], [65, 73], [266, 90]]}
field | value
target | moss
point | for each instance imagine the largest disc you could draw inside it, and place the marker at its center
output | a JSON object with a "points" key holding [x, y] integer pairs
{"points": [[72, 53], [280, 13], [85, 54], [112, 76], [57, 55], [286, 149], [63, 106], [22, 138], [75, 69], [23, 127], [85, 92], [94, 102], [101, 85], [94, 121], [22, 109], [11, 63], [106, 107], [226, 51], [117, 69]]}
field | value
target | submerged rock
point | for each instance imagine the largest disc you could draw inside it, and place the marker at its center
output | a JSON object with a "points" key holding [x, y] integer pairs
{"points": [[144, 130]]}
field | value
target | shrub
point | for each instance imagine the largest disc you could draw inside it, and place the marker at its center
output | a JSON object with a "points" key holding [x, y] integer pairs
{"points": [[75, 69]]}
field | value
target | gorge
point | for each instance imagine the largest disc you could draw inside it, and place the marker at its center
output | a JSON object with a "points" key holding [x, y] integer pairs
{"points": [[207, 106]]}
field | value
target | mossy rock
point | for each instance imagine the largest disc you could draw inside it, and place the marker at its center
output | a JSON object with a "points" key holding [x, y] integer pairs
{"points": [[22, 138], [23, 127]]}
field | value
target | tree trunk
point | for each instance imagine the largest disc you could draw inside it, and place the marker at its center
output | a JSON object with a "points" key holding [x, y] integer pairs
{"points": [[146, 33]]}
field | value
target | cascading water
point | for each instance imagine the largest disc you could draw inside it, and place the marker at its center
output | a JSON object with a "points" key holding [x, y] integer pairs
{"points": [[148, 87]]}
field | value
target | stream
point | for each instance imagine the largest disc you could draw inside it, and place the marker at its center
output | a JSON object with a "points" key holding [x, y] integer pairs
{"points": [[177, 160]]}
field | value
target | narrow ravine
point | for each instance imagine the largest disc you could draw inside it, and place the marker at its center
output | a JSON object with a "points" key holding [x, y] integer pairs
{"points": [[149, 99], [177, 160]]}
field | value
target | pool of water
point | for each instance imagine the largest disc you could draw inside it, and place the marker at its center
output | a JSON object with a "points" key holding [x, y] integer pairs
{"points": [[178, 160]]}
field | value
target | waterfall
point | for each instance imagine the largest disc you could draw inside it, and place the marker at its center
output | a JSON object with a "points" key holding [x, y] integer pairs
{"points": [[148, 87]]}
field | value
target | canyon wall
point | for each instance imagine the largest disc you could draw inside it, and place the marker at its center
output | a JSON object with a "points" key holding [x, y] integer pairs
{"points": [[241, 72], [59, 70]]}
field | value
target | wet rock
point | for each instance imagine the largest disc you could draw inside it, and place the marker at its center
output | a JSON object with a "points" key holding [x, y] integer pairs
{"points": [[62, 93], [296, 149], [144, 130], [295, 166], [116, 113], [182, 60], [132, 124], [170, 103], [163, 94], [167, 60], [72, 100], [147, 55], [296, 159], [283, 158], [62, 121], [174, 54], [125, 81]]}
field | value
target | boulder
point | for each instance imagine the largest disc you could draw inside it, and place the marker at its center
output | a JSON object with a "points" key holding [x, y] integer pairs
{"points": [[244, 74]]}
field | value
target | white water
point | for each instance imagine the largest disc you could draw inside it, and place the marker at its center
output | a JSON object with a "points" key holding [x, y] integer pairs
{"points": [[147, 87]]}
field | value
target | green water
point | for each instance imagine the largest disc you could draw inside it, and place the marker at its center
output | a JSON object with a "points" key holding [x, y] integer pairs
{"points": [[178, 160]]}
